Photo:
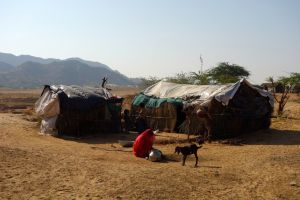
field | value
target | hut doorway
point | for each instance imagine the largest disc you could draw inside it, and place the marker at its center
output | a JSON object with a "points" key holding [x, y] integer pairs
{"points": [[181, 116]]}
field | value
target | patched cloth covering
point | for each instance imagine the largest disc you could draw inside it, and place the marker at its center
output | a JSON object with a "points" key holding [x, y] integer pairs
{"points": [[199, 93], [74, 91], [70, 97], [75, 105], [80, 98], [228, 110]]}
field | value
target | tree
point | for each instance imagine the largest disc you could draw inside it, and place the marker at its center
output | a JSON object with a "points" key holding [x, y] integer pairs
{"points": [[227, 73], [200, 78], [288, 83], [149, 81], [181, 78], [292, 80]]}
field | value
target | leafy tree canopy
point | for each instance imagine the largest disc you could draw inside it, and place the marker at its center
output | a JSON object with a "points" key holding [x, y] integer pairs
{"points": [[292, 80], [180, 78], [200, 78], [227, 73], [223, 73], [149, 81]]}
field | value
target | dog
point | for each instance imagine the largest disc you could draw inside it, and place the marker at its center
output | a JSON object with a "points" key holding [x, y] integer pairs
{"points": [[188, 150]]}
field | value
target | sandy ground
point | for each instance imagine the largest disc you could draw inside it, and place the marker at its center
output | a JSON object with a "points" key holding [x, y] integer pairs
{"points": [[33, 166]]}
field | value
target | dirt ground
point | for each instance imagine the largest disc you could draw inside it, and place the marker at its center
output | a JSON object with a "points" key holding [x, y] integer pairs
{"points": [[265, 165]]}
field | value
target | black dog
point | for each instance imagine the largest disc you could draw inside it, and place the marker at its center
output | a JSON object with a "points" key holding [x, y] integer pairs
{"points": [[188, 150]]}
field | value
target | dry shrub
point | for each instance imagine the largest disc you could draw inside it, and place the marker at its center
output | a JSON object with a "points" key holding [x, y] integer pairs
{"points": [[292, 108]]}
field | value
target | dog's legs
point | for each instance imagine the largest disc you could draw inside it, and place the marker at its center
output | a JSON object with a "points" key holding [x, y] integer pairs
{"points": [[183, 160], [196, 156]]}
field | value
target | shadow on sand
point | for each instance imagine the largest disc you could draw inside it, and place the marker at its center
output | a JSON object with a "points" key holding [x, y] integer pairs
{"points": [[272, 137], [101, 138], [262, 137]]}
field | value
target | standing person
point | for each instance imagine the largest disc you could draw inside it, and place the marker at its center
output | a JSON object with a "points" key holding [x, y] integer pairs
{"points": [[203, 114], [115, 110], [127, 120], [187, 111], [141, 124]]}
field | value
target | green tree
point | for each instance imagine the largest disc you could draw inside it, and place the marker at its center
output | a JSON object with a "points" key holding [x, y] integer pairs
{"points": [[200, 78], [227, 73], [146, 82], [292, 80], [180, 78]]}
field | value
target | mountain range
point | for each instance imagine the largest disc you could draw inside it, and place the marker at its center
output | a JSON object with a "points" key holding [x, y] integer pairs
{"points": [[27, 71]]}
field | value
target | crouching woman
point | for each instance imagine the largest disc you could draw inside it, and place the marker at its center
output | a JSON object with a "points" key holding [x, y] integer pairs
{"points": [[143, 144]]}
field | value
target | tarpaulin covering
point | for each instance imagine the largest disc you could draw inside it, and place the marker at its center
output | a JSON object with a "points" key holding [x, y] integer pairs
{"points": [[169, 92], [47, 105], [230, 109], [80, 98], [154, 102], [76, 106]]}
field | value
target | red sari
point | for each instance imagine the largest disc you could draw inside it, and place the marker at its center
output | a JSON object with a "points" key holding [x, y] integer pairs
{"points": [[143, 143]]}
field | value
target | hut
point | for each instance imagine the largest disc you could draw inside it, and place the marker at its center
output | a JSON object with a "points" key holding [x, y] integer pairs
{"points": [[233, 108], [74, 110], [276, 87]]}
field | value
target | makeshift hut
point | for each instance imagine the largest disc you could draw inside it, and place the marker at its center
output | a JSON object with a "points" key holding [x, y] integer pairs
{"points": [[233, 108], [75, 110]]}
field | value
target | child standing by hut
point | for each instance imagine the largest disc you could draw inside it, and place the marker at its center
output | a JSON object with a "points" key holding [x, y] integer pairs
{"points": [[141, 124], [127, 121]]}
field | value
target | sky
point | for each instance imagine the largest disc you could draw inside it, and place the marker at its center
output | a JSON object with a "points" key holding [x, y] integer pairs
{"points": [[159, 37]]}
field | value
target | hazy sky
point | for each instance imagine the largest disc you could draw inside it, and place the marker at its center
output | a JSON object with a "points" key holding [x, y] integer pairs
{"points": [[158, 38]]}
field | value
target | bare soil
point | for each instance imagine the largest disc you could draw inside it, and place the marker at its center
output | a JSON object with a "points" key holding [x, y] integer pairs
{"points": [[262, 165]]}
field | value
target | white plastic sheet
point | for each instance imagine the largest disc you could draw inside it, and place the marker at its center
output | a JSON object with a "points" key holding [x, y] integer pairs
{"points": [[47, 105], [222, 93], [48, 126]]}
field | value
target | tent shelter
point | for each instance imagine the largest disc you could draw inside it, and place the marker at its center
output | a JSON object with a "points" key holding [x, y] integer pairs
{"points": [[233, 108], [74, 110]]}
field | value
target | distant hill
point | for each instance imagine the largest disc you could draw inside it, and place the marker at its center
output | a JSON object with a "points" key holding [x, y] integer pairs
{"points": [[29, 71], [90, 63], [4, 67], [18, 60]]}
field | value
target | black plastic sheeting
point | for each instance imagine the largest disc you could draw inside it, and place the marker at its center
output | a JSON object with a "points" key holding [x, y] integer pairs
{"points": [[82, 98]]}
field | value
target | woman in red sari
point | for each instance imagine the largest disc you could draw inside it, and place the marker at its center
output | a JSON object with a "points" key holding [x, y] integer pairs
{"points": [[143, 144]]}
